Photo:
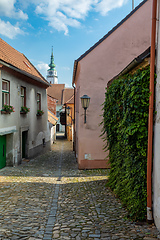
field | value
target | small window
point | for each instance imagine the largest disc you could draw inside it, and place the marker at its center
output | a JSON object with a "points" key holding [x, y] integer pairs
{"points": [[23, 97], [27, 64], [5, 92], [38, 101]]}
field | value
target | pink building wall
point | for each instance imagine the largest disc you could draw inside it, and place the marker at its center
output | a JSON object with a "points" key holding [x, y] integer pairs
{"points": [[95, 68]]}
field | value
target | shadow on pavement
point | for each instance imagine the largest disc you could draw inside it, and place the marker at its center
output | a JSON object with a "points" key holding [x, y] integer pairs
{"points": [[60, 136]]}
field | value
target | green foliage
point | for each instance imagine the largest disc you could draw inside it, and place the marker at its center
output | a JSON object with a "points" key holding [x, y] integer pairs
{"points": [[40, 112], [25, 109], [125, 127], [8, 108]]}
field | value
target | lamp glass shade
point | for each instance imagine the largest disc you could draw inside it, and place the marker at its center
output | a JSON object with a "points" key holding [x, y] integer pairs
{"points": [[85, 101], [68, 110]]}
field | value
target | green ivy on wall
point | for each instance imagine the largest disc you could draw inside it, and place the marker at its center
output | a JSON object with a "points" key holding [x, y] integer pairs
{"points": [[125, 132]]}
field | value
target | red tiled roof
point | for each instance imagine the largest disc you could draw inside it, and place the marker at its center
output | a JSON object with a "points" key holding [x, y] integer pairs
{"points": [[67, 94], [52, 118], [18, 60], [71, 100], [56, 91]]}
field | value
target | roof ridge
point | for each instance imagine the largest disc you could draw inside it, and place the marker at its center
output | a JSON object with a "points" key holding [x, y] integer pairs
{"points": [[11, 46], [19, 62], [51, 96], [7, 58]]}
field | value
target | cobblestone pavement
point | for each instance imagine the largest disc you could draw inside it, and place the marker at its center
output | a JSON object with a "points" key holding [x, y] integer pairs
{"points": [[49, 198]]}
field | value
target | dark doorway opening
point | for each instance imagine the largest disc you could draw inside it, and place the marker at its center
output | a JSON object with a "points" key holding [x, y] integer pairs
{"points": [[57, 128], [24, 144]]}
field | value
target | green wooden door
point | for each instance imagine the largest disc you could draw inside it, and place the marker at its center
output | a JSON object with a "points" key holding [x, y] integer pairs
{"points": [[2, 151]]}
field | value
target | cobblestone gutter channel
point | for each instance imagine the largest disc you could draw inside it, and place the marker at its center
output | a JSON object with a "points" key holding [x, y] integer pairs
{"points": [[49, 198], [53, 211]]}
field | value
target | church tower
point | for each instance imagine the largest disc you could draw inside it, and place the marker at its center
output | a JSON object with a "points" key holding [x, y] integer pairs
{"points": [[51, 72]]}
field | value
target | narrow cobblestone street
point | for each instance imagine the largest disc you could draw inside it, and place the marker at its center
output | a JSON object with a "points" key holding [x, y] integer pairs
{"points": [[49, 198]]}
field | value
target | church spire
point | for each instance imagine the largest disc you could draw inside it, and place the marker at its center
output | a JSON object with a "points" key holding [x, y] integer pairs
{"points": [[51, 72], [52, 65]]}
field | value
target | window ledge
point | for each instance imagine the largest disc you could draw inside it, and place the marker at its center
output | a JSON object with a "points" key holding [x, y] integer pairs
{"points": [[21, 112], [5, 112]]}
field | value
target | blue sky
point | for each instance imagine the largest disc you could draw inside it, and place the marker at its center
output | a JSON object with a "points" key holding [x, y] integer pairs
{"points": [[70, 26]]}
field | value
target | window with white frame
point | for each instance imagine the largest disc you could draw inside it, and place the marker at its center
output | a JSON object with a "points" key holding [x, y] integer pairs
{"points": [[5, 92], [23, 96], [38, 101]]}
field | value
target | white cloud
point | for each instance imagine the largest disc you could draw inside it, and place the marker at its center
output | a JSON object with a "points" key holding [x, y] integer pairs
{"points": [[62, 14], [42, 68], [61, 22], [8, 9], [66, 68], [8, 30], [105, 6]]}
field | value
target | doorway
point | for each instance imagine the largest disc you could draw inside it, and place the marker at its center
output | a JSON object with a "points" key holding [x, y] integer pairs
{"points": [[24, 144], [2, 151], [57, 128]]}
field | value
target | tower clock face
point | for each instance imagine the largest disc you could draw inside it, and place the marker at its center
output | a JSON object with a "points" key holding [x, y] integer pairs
{"points": [[50, 72]]}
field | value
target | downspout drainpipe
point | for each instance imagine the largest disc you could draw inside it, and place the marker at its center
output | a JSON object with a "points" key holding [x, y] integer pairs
{"points": [[150, 118], [74, 118]]}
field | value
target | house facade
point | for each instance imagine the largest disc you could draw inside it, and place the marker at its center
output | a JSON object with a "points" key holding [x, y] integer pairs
{"points": [[52, 120], [52, 103], [68, 102], [94, 69], [56, 91], [69, 107], [22, 135]]}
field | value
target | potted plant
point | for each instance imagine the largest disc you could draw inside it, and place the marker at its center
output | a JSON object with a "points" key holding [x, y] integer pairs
{"points": [[40, 112], [7, 109], [24, 110]]}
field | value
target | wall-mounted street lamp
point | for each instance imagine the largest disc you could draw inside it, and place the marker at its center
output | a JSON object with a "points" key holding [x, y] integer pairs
{"points": [[68, 109], [85, 104]]}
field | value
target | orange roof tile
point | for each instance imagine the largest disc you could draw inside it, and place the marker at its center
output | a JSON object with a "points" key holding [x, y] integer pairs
{"points": [[55, 91], [67, 94], [11, 56], [71, 100], [52, 118]]}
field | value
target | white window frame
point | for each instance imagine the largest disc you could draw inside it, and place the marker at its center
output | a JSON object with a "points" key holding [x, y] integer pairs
{"points": [[5, 93], [23, 96], [38, 101]]}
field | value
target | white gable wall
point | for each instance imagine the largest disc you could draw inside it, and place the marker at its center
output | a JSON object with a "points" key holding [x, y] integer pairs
{"points": [[35, 127]]}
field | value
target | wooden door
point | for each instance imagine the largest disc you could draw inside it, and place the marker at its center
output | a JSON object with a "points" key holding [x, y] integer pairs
{"points": [[2, 151]]}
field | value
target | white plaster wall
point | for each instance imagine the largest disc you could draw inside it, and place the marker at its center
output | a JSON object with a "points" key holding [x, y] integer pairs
{"points": [[53, 134], [36, 126]]}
